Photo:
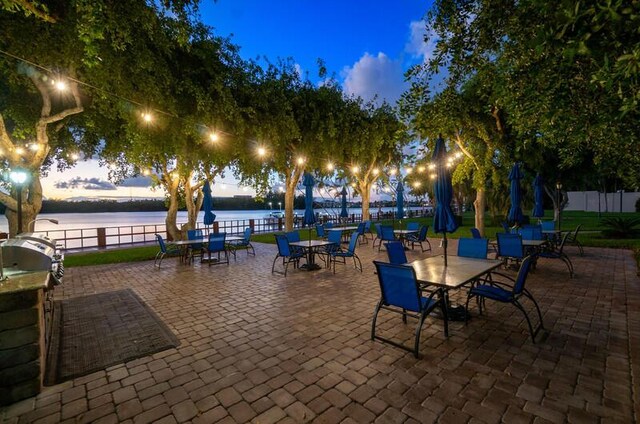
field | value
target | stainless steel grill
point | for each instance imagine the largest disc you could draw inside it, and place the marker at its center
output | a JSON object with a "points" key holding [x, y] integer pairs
{"points": [[33, 252]]}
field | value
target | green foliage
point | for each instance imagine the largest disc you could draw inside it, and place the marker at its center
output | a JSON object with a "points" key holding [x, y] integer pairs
{"points": [[621, 227], [638, 205]]}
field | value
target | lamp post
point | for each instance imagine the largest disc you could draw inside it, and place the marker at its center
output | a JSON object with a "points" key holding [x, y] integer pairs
{"points": [[558, 200], [280, 206], [19, 177], [270, 206]]}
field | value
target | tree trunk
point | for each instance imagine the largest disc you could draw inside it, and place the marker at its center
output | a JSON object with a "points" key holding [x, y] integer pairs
{"points": [[291, 182], [31, 205], [172, 214], [193, 205], [480, 204], [365, 194]]}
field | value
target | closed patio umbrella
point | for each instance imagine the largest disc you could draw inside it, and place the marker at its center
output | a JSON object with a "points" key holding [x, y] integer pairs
{"points": [[400, 200], [207, 205], [538, 189], [344, 213], [309, 216], [515, 211], [443, 220]]}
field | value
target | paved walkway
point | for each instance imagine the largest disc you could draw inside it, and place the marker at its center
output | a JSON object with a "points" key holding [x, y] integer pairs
{"points": [[257, 347]]}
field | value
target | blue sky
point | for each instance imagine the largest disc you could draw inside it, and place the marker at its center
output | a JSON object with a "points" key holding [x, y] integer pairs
{"points": [[366, 45]]}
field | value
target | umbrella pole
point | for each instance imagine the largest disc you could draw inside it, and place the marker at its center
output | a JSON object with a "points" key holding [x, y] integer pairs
{"points": [[445, 248]]}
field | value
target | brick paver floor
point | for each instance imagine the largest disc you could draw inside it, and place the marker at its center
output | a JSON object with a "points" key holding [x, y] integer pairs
{"points": [[257, 347]]}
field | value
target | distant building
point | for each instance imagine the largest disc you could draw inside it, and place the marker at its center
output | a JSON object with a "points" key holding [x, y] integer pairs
{"points": [[242, 196]]}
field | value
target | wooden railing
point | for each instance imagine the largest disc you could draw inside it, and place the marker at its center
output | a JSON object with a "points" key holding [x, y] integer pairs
{"points": [[105, 237]]}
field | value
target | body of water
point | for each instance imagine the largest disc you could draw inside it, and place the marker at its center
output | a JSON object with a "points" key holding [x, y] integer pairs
{"points": [[71, 221]]}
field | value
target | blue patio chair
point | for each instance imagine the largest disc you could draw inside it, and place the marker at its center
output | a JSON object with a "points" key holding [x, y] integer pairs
{"points": [[413, 226], [548, 225], [506, 293], [400, 293], [349, 253], [195, 249], [505, 227], [386, 234], [320, 231], [531, 232], [475, 233], [286, 253], [510, 247], [378, 235], [396, 253], [419, 238], [294, 236], [558, 253], [328, 225], [245, 243], [367, 228], [217, 245], [573, 239], [170, 250], [473, 248], [361, 233]]}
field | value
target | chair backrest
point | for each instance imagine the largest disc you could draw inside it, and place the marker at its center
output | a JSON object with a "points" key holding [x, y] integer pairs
{"points": [[378, 230], [510, 245], [548, 225], [367, 226], [353, 242], [335, 236], [216, 242], [413, 226], [320, 231], [398, 286], [292, 236], [163, 246], [360, 229], [328, 225], [422, 235], [283, 245], [475, 233], [194, 234], [531, 232], [247, 235], [574, 234], [396, 253], [387, 233], [523, 272], [473, 247]]}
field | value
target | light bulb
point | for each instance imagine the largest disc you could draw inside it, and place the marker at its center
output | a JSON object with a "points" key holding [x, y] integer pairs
{"points": [[214, 137]]}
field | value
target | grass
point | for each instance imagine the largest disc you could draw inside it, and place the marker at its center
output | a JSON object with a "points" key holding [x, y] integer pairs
{"points": [[589, 221]]}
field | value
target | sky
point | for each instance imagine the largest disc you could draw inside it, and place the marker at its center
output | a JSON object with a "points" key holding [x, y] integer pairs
{"points": [[365, 45]]}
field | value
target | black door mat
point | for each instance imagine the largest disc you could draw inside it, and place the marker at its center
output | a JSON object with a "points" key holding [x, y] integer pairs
{"points": [[91, 333]]}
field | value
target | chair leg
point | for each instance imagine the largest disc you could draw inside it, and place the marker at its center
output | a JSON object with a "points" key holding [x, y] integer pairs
{"points": [[567, 262], [526, 316], [404, 315], [273, 266], [375, 317], [416, 350], [528, 294], [466, 309], [580, 247], [358, 267]]}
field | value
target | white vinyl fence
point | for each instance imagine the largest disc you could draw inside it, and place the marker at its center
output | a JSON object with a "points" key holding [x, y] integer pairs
{"points": [[594, 201]]}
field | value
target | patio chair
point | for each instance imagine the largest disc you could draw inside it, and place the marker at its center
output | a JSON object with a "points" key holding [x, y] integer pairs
{"points": [[361, 233], [509, 247], [294, 236], [385, 234], [335, 237], [573, 239], [328, 225], [558, 253], [506, 293], [505, 227], [475, 233], [531, 232], [413, 226], [419, 238], [320, 231], [473, 248], [548, 225], [349, 253], [195, 249], [396, 253], [245, 243], [217, 245], [286, 253], [165, 250], [367, 229], [400, 293]]}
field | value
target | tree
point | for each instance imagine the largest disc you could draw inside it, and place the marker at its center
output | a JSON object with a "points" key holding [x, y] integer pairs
{"points": [[41, 102]]}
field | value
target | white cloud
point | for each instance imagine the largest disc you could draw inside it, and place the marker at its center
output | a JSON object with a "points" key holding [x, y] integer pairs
{"points": [[416, 46], [373, 76]]}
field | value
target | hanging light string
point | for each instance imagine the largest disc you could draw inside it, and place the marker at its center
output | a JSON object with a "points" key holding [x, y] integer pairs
{"points": [[261, 150]]}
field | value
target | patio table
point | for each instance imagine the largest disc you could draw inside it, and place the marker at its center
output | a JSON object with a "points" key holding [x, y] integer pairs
{"points": [[311, 248], [402, 235], [184, 244], [458, 272]]}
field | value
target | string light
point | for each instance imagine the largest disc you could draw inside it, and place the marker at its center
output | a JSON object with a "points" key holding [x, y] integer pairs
{"points": [[375, 171], [432, 166], [408, 170], [301, 161], [19, 151], [146, 172], [330, 166], [214, 137], [432, 176], [60, 85], [262, 151], [416, 184], [146, 117], [74, 156], [355, 169], [421, 169], [392, 171], [34, 146]]}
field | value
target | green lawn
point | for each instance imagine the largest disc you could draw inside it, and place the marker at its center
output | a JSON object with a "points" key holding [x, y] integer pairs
{"points": [[589, 221]]}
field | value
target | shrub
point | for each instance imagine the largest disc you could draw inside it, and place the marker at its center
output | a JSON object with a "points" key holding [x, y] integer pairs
{"points": [[638, 205], [621, 227]]}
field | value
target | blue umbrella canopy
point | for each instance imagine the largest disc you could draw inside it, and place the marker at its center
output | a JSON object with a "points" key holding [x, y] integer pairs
{"points": [[344, 213], [309, 216], [400, 200], [207, 205], [538, 194], [515, 211], [444, 220]]}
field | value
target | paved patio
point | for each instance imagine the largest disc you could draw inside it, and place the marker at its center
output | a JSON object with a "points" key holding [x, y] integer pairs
{"points": [[257, 347]]}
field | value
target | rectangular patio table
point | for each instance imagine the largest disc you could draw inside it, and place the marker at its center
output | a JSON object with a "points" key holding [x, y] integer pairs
{"points": [[346, 232], [202, 240], [402, 234], [311, 247], [458, 272]]}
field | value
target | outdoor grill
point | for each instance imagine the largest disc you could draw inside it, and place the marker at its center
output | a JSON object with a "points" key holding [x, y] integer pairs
{"points": [[33, 252]]}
